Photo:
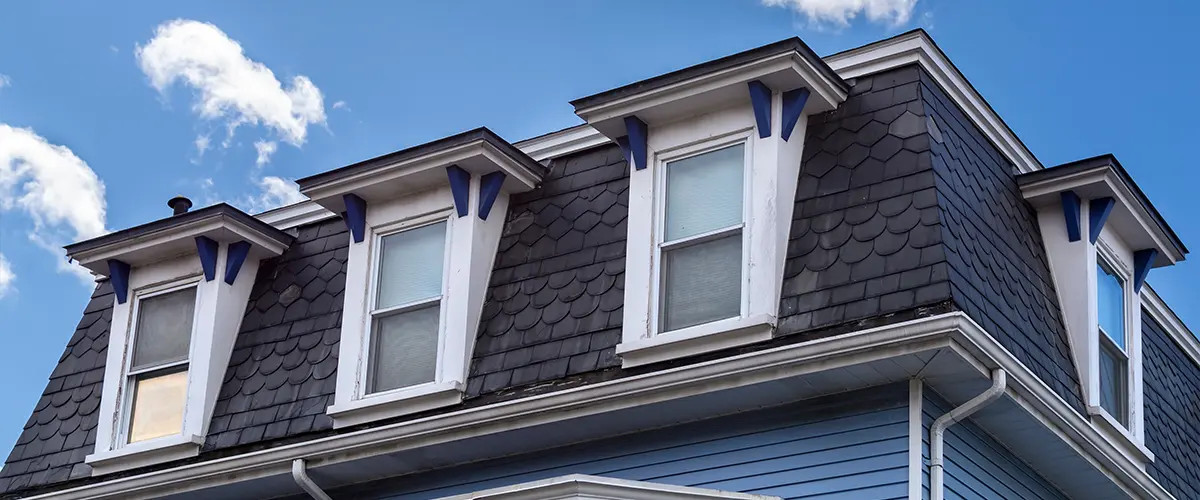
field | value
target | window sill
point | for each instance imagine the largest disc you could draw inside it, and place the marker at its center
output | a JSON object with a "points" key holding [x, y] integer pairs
{"points": [[1120, 436], [395, 403], [698, 339], [154, 451]]}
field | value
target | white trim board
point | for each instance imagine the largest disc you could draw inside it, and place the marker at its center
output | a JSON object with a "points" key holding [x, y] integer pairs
{"points": [[953, 330], [584, 487]]}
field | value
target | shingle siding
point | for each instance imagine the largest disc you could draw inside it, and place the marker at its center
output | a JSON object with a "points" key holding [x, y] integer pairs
{"points": [[998, 270], [866, 232], [62, 430], [1172, 419]]}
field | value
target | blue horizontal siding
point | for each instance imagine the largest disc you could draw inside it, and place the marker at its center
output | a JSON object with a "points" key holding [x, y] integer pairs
{"points": [[850, 447], [978, 466]]}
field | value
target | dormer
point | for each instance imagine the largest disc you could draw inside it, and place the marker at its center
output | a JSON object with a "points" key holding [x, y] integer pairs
{"points": [[1102, 238], [715, 151], [181, 285], [425, 223]]}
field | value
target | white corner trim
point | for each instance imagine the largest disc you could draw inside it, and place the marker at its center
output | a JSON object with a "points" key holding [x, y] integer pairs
{"points": [[581, 486], [296, 214], [916, 47], [698, 339], [563, 142], [395, 403], [1166, 318], [916, 438]]}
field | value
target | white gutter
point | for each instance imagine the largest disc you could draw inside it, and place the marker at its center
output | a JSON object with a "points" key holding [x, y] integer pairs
{"points": [[938, 430], [300, 474]]}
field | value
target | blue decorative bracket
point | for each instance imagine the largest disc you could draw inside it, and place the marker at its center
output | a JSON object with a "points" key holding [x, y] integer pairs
{"points": [[1098, 210], [1070, 206], [355, 216], [460, 187], [207, 248], [489, 189], [637, 131], [1142, 261], [118, 275], [233, 261], [760, 100], [793, 105]]}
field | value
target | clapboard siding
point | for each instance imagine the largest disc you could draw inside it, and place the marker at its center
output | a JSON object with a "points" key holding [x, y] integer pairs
{"points": [[978, 466], [844, 447]]}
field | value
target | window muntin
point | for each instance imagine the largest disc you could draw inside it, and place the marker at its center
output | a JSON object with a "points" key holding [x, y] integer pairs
{"points": [[405, 316], [1114, 360], [700, 248], [158, 372]]}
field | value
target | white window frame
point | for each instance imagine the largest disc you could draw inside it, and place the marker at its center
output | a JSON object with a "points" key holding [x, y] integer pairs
{"points": [[771, 172], [1114, 253], [129, 374], [684, 152], [365, 355]]}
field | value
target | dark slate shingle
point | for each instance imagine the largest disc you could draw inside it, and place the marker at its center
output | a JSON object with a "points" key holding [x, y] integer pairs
{"points": [[1172, 418]]}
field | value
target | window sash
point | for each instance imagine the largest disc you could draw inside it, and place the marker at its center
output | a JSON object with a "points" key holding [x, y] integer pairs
{"points": [[1120, 381], [375, 314], [132, 373], [663, 245], [132, 387], [1106, 271]]}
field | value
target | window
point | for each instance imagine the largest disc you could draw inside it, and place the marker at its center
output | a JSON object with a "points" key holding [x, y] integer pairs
{"points": [[405, 315], [701, 244], [1114, 359], [158, 370]]}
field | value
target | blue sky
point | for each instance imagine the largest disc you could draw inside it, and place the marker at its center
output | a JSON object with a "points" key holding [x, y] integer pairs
{"points": [[114, 93]]}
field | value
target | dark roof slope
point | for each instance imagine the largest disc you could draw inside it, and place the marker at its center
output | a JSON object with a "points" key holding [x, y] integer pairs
{"points": [[1172, 418], [998, 269], [62, 429], [218, 211]]}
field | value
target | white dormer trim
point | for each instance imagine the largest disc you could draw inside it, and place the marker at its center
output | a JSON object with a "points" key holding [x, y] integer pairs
{"points": [[585, 487]]}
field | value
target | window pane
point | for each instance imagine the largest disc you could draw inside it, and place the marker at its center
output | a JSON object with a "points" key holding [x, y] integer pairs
{"points": [[704, 192], [1112, 382], [405, 349], [1110, 300], [701, 283], [164, 328], [410, 265], [157, 405]]}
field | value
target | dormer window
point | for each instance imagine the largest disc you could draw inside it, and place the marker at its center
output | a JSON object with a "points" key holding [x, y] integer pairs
{"points": [[701, 244], [406, 327], [181, 285], [158, 370], [1114, 360], [1102, 238], [715, 152], [425, 224]]}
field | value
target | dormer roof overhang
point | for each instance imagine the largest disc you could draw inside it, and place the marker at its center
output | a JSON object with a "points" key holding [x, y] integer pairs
{"points": [[478, 152], [176, 236], [1132, 216], [782, 66]]}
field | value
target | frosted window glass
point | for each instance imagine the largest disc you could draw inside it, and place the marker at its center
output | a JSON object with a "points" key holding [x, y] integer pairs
{"points": [[1110, 300], [1112, 382], [704, 192], [410, 265], [405, 349], [157, 406], [164, 328], [701, 283]]}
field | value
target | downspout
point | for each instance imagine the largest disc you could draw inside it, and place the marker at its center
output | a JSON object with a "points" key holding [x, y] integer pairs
{"points": [[300, 474], [938, 430]]}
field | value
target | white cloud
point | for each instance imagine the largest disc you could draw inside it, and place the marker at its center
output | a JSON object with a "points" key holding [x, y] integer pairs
{"points": [[229, 85], [275, 192], [5, 81], [340, 105], [840, 12], [202, 142], [265, 149], [6, 277], [55, 188]]}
